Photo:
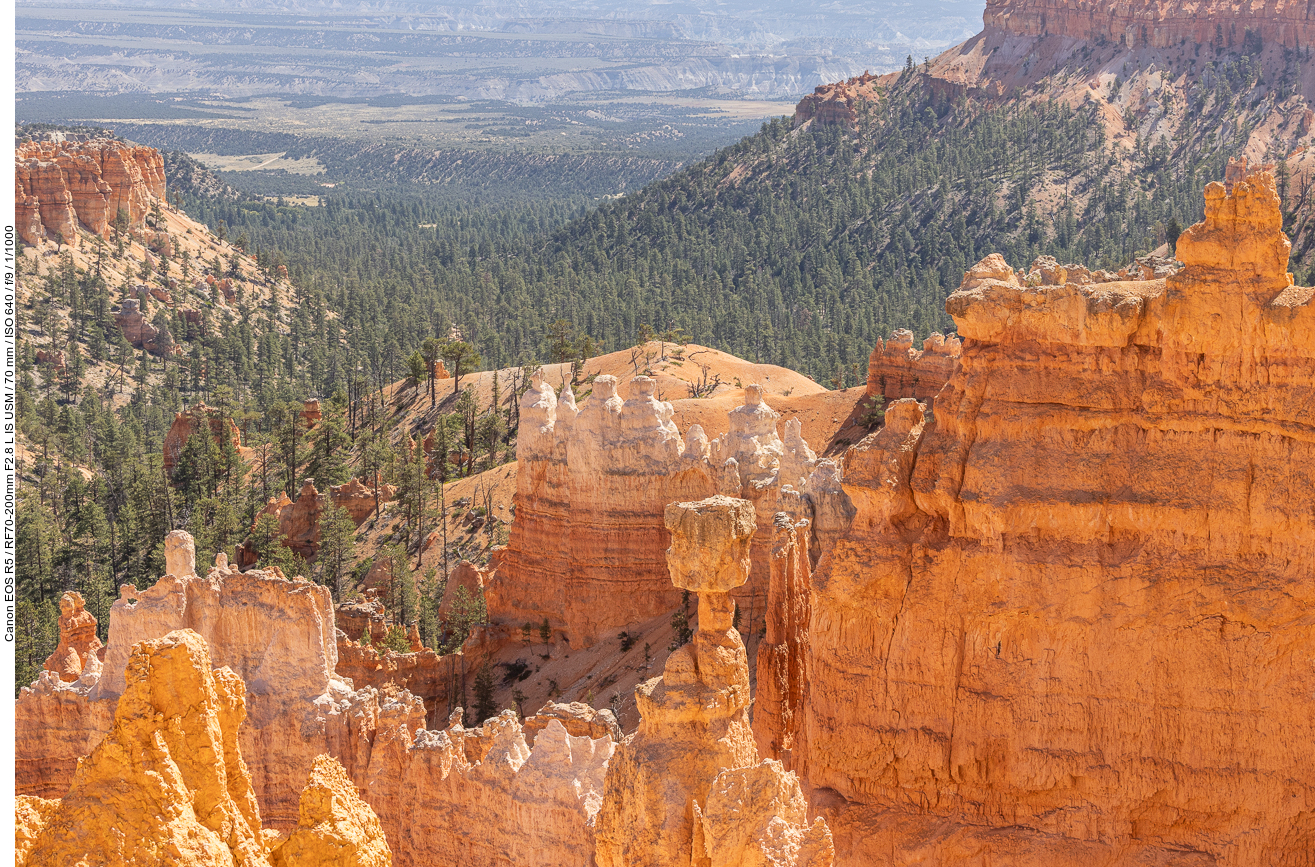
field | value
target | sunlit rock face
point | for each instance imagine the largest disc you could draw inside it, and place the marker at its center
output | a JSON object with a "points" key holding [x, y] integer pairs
{"points": [[1068, 619]]}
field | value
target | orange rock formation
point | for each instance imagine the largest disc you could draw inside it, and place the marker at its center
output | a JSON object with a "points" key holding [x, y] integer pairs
{"points": [[586, 547], [837, 103], [488, 799], [61, 185], [1156, 23], [78, 644], [677, 791], [781, 683], [168, 785], [299, 522], [334, 826], [1064, 626], [896, 369], [592, 484], [188, 422]]}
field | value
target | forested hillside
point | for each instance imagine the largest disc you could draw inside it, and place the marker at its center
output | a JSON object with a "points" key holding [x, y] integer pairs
{"points": [[796, 246]]}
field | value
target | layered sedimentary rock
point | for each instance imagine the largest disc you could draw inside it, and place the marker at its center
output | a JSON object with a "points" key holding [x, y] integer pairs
{"points": [[61, 185], [1157, 23], [422, 672], [897, 370], [592, 484], [167, 785], [1066, 624], [222, 430], [78, 643], [530, 807], [334, 826], [677, 792], [586, 549], [464, 586], [578, 718]]}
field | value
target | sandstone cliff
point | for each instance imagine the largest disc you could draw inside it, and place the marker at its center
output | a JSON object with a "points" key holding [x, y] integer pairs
{"points": [[592, 483], [62, 186], [334, 826], [1156, 23], [1064, 624]]}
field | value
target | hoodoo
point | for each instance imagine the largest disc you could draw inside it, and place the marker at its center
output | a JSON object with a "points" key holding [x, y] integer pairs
{"points": [[687, 788]]}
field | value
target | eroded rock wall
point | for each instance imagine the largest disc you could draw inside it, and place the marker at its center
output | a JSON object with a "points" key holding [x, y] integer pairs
{"points": [[529, 806], [1157, 23], [61, 185], [897, 370], [1066, 622], [587, 546]]}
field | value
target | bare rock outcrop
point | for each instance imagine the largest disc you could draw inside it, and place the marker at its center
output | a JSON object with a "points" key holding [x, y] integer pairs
{"points": [[299, 520], [434, 792], [837, 103], [133, 325], [578, 718], [78, 642], [897, 370], [64, 185], [781, 682], [334, 826], [677, 790], [167, 785], [1058, 630], [222, 430], [757, 817], [486, 798]]}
